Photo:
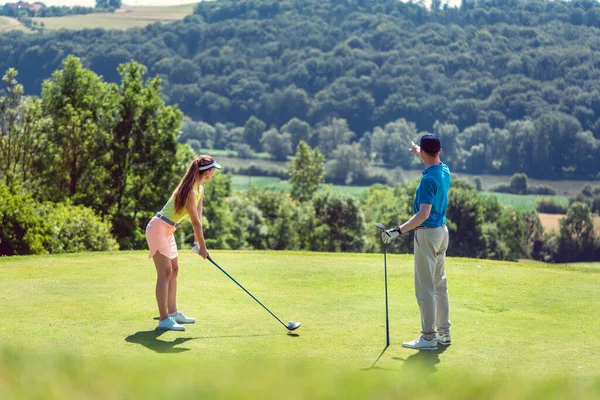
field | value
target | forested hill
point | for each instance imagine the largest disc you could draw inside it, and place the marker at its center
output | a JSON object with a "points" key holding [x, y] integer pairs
{"points": [[514, 84]]}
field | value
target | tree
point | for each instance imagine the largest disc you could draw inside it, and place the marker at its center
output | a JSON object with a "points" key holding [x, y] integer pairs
{"points": [[298, 129], [108, 3], [253, 131], [341, 222], [142, 149], [306, 172], [22, 133], [347, 165], [333, 134], [82, 108], [577, 240], [278, 145]]}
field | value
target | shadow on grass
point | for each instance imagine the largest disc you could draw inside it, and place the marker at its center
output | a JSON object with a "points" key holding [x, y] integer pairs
{"points": [[150, 340], [373, 366], [423, 360]]}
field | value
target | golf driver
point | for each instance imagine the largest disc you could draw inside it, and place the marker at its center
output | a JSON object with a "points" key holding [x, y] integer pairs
{"points": [[290, 326], [387, 322]]}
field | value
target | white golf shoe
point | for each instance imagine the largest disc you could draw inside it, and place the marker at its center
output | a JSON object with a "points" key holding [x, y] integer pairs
{"points": [[169, 324], [181, 319], [421, 344], [444, 339]]}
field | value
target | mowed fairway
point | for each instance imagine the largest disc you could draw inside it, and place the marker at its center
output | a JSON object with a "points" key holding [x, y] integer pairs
{"points": [[86, 321], [130, 17]]}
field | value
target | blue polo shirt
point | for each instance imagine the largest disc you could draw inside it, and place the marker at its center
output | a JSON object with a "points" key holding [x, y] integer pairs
{"points": [[433, 189]]}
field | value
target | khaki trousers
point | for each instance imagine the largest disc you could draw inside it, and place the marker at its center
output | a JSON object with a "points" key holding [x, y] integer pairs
{"points": [[430, 279]]}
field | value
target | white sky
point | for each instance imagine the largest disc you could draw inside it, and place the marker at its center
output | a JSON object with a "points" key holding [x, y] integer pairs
{"points": [[91, 3]]}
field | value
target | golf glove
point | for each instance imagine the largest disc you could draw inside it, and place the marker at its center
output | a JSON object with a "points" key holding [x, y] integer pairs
{"points": [[390, 234]]}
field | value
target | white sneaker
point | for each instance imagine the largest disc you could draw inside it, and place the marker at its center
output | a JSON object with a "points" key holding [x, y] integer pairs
{"points": [[421, 344], [169, 324], [181, 319], [443, 339]]}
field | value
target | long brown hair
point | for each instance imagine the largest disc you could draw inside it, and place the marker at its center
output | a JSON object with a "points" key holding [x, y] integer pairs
{"points": [[189, 180]]}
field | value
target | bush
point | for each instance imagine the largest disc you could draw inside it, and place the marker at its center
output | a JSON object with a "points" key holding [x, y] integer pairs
{"points": [[518, 185], [26, 227], [22, 229], [256, 170], [501, 188], [541, 189], [244, 151], [549, 206], [76, 228]]}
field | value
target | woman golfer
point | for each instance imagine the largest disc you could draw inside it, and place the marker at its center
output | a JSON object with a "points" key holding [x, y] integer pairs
{"points": [[185, 200]]}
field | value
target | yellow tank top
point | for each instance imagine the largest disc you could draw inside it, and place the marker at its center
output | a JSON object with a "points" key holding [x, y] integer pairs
{"points": [[169, 209]]}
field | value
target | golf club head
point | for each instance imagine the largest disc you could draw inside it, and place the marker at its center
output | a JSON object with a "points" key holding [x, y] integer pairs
{"points": [[292, 326], [379, 225]]}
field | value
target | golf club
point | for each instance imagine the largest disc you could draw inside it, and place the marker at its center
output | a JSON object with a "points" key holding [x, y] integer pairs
{"points": [[290, 326], [387, 322]]}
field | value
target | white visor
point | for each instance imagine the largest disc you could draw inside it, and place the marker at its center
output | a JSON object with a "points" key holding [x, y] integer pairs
{"points": [[213, 164]]}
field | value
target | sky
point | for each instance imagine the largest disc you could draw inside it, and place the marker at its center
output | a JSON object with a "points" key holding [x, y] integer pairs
{"points": [[91, 3]]}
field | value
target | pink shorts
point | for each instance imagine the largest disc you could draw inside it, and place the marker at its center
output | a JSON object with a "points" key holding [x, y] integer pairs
{"points": [[159, 236]]}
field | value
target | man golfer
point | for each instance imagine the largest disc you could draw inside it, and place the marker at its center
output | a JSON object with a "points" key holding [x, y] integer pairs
{"points": [[430, 245]]}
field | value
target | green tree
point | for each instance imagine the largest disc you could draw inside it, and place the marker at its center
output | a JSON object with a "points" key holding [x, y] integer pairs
{"points": [[347, 165], [218, 220], [253, 131], [278, 145], [306, 172], [108, 3], [22, 133], [340, 222], [82, 108], [333, 134], [142, 148], [298, 129], [577, 240]]}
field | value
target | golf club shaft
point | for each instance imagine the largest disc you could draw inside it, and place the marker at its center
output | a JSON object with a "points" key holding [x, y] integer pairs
{"points": [[250, 294], [387, 321]]}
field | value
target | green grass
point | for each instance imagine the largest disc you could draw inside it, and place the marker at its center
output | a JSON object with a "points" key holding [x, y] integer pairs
{"points": [[138, 16], [524, 202], [84, 323], [243, 182]]}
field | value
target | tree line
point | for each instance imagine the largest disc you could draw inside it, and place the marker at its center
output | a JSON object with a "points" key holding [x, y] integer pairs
{"points": [[509, 84], [87, 164]]}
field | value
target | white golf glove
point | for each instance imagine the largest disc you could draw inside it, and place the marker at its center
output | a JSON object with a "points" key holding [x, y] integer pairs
{"points": [[390, 234]]}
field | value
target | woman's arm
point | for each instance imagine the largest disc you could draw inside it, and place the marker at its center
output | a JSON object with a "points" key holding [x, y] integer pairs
{"points": [[195, 213]]}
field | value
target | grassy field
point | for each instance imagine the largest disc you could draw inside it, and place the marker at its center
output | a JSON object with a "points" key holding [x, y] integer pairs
{"points": [[10, 24], [243, 182], [83, 324], [524, 202], [132, 16]]}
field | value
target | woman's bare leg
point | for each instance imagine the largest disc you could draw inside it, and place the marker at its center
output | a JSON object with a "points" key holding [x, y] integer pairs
{"points": [[164, 272], [172, 298]]}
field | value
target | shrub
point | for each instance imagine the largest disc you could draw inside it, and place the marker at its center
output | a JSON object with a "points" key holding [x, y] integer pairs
{"points": [[22, 229], [28, 227], [501, 188], [549, 206], [76, 228], [541, 189], [257, 170]]}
